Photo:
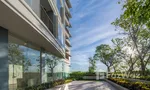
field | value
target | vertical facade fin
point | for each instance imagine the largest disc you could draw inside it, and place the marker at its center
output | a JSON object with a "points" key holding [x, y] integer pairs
{"points": [[4, 59]]}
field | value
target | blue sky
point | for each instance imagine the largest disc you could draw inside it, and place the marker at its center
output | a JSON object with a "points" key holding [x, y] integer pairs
{"points": [[91, 27]]}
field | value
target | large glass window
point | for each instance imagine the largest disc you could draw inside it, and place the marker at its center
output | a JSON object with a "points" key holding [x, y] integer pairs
{"points": [[24, 66], [66, 70], [52, 68]]}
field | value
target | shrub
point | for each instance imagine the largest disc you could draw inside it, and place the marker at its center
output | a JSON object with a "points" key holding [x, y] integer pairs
{"points": [[77, 75], [131, 85], [145, 78], [68, 80], [49, 85]]}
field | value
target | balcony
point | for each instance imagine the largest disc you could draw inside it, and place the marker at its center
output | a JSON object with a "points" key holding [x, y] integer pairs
{"points": [[68, 11], [68, 42], [67, 48], [68, 31], [67, 35], [68, 54], [67, 22], [46, 19], [69, 3]]}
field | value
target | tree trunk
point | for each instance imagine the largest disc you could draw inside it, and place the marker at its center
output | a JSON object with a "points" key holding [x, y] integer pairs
{"points": [[108, 69], [142, 68], [114, 69]]}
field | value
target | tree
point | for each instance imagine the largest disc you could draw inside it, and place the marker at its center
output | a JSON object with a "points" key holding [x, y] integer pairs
{"points": [[125, 53], [92, 66], [52, 62], [135, 23], [105, 54], [16, 57]]}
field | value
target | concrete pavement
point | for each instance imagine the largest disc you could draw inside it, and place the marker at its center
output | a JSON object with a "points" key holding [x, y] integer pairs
{"points": [[90, 85], [85, 85]]}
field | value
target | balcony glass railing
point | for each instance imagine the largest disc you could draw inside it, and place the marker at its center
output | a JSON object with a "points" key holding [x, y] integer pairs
{"points": [[46, 19], [49, 23], [67, 9]]}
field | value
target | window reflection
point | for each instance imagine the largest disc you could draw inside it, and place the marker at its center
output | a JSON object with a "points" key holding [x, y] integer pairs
{"points": [[23, 66], [57, 70]]}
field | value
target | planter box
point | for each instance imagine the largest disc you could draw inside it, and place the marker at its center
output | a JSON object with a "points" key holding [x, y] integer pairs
{"points": [[118, 87]]}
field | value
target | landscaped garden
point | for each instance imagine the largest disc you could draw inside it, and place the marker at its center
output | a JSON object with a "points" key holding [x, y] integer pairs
{"points": [[48, 85], [130, 84]]}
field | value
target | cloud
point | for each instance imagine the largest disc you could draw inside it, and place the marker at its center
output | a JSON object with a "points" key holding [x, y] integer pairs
{"points": [[92, 37], [91, 27]]}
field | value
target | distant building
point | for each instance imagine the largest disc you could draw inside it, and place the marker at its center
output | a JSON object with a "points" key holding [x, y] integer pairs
{"points": [[30, 32]]}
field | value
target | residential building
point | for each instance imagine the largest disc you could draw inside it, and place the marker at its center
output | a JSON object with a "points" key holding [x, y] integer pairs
{"points": [[32, 32]]}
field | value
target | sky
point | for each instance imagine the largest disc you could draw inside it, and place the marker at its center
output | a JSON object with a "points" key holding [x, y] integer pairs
{"points": [[91, 26]]}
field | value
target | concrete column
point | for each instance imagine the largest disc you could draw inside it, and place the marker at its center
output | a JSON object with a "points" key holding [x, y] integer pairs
{"points": [[41, 51], [42, 65], [3, 59]]}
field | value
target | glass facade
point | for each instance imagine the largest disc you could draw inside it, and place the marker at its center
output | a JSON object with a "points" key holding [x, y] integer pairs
{"points": [[60, 36], [24, 66], [28, 65], [66, 70]]}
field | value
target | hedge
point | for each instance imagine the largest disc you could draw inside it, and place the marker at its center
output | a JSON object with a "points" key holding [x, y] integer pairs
{"points": [[49, 85], [131, 85]]}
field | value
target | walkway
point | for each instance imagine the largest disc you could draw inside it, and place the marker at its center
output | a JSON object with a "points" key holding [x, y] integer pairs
{"points": [[85, 85], [90, 85]]}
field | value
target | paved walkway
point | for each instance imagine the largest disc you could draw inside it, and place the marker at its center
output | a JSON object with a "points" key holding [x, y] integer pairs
{"points": [[85, 85], [90, 85]]}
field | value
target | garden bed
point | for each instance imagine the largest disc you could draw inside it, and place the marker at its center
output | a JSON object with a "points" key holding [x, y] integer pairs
{"points": [[48, 85], [118, 87], [131, 85]]}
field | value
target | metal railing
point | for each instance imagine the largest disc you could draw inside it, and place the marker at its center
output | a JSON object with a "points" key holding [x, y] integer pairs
{"points": [[46, 19]]}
